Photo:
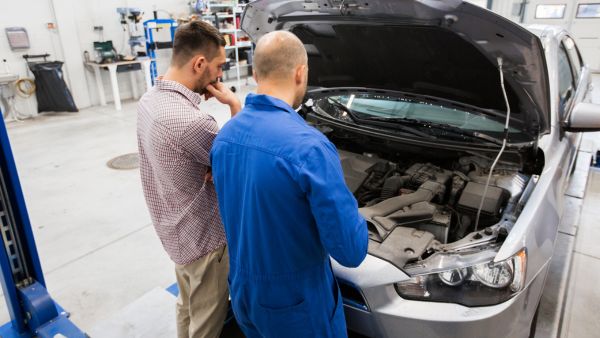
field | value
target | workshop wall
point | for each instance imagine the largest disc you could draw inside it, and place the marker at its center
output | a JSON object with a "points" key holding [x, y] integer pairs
{"points": [[73, 35], [103, 13], [583, 30], [508, 8], [34, 16]]}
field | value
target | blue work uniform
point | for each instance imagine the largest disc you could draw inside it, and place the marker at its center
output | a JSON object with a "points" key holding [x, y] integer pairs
{"points": [[286, 209]]}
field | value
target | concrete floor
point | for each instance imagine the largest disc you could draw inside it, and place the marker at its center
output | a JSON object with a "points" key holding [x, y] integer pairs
{"points": [[102, 259], [98, 249], [583, 296]]}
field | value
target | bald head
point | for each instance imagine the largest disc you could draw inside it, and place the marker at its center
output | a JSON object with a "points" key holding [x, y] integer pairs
{"points": [[277, 55]]}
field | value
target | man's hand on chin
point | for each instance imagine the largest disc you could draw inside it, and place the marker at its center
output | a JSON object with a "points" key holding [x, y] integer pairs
{"points": [[224, 95], [207, 95]]}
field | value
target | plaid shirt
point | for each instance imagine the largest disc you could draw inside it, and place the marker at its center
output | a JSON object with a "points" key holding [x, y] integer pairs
{"points": [[174, 141]]}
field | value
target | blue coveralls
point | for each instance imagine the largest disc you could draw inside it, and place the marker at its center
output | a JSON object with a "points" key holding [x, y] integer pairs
{"points": [[285, 208]]}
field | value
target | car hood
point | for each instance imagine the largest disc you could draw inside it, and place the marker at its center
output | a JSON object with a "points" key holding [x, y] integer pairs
{"points": [[428, 48]]}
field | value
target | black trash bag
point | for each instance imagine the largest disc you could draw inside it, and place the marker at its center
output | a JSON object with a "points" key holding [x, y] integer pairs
{"points": [[51, 90]]}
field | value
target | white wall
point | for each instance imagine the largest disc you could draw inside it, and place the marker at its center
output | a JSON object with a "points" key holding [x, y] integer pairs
{"points": [[33, 15], [506, 8], [585, 31], [482, 3], [104, 13], [64, 11], [75, 20]]}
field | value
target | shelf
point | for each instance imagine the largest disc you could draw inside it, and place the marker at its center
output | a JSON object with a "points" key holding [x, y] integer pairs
{"points": [[225, 11], [240, 67], [239, 45], [221, 5], [220, 16]]}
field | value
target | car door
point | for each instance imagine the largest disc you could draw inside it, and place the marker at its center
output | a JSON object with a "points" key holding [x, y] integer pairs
{"points": [[573, 85]]}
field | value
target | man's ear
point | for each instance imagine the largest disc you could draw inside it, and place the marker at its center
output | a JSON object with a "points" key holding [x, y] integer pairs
{"points": [[254, 75], [199, 63], [299, 76]]}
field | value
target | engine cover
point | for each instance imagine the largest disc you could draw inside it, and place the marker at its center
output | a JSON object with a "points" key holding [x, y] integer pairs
{"points": [[491, 210]]}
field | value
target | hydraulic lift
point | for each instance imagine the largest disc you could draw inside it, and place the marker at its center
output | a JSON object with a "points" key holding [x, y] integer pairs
{"points": [[32, 311]]}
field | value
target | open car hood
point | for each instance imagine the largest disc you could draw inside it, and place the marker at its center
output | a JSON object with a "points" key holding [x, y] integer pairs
{"points": [[447, 49]]}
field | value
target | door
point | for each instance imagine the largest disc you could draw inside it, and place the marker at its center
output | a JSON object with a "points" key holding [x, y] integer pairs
{"points": [[585, 28], [510, 9], [573, 83], [549, 12], [581, 18], [481, 3]]}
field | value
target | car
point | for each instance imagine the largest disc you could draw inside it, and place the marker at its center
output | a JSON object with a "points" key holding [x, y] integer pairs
{"points": [[457, 131]]}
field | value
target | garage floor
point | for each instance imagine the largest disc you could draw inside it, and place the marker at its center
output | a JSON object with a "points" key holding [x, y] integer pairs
{"points": [[104, 263]]}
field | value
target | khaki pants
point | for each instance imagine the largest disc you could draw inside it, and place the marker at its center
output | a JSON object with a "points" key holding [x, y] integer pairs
{"points": [[203, 292]]}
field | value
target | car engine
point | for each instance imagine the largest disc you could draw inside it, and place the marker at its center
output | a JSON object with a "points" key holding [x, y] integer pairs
{"points": [[412, 209]]}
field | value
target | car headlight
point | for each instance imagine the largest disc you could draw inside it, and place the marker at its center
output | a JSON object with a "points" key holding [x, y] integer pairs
{"points": [[480, 284]]}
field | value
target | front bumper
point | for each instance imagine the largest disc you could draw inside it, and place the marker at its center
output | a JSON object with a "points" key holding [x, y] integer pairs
{"points": [[397, 317]]}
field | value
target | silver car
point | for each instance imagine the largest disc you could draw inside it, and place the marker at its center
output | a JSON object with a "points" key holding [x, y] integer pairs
{"points": [[457, 131]]}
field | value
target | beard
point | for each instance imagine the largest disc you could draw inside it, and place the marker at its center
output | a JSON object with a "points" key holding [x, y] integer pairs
{"points": [[201, 88]]}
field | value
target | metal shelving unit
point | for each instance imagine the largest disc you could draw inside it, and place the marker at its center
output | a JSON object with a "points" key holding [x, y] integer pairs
{"points": [[233, 10]]}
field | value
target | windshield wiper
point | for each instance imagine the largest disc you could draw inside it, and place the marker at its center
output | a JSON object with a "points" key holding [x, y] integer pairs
{"points": [[355, 118], [444, 127], [343, 107]]}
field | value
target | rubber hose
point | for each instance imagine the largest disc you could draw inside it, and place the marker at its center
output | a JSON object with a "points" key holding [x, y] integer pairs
{"points": [[29, 87], [392, 185]]}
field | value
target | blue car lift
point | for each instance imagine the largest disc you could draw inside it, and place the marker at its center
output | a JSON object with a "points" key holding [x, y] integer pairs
{"points": [[152, 45], [32, 311]]}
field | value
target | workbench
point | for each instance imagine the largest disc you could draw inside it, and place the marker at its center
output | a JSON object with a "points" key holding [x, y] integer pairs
{"points": [[112, 69]]}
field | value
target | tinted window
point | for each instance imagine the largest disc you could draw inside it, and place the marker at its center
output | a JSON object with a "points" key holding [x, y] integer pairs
{"points": [[566, 86]]}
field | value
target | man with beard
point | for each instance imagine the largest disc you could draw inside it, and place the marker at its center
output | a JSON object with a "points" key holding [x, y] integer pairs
{"points": [[174, 141], [284, 205]]}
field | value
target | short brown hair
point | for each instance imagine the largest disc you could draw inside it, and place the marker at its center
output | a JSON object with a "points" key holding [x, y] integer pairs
{"points": [[193, 38]]}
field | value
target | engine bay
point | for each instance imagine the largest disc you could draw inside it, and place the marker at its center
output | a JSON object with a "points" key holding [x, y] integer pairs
{"points": [[416, 208]]}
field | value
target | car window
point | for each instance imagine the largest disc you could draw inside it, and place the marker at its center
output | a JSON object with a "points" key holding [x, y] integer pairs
{"points": [[366, 105], [566, 83], [574, 57]]}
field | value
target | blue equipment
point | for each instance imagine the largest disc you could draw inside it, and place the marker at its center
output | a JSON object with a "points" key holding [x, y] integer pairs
{"points": [[130, 19], [32, 310], [151, 45]]}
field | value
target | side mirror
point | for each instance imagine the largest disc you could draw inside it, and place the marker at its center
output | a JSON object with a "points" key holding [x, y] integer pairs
{"points": [[584, 117]]}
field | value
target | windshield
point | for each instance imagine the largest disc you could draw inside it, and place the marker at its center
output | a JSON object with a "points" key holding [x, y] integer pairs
{"points": [[381, 106]]}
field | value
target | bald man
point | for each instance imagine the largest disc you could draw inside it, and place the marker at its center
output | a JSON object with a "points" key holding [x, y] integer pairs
{"points": [[284, 204]]}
